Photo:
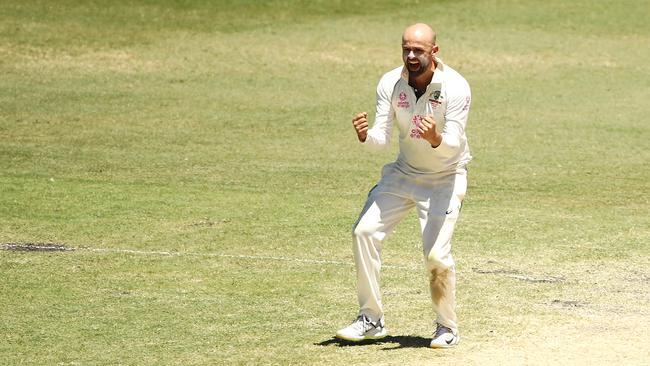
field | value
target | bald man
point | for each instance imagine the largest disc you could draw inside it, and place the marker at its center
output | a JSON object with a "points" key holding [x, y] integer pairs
{"points": [[429, 102]]}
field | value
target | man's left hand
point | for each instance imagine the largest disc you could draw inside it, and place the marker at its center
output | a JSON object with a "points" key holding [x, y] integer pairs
{"points": [[427, 130]]}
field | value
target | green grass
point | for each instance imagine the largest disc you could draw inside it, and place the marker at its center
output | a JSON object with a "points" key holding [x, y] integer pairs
{"points": [[199, 157]]}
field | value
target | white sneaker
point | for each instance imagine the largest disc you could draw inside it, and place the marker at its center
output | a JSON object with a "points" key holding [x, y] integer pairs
{"points": [[444, 337], [362, 328]]}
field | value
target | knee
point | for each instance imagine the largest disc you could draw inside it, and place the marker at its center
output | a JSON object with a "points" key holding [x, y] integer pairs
{"points": [[435, 259], [363, 230], [365, 235], [438, 259]]}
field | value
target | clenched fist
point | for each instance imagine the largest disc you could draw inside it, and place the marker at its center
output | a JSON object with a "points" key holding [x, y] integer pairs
{"points": [[427, 129], [360, 123]]}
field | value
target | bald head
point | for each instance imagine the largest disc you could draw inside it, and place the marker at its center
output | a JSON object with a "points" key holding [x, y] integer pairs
{"points": [[418, 51], [420, 33]]}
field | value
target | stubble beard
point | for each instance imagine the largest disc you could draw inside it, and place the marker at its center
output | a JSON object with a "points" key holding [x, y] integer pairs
{"points": [[416, 73], [423, 67]]}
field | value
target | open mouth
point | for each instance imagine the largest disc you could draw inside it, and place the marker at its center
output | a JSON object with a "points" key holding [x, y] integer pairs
{"points": [[413, 65]]}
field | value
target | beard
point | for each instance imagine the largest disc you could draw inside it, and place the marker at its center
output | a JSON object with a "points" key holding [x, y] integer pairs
{"points": [[419, 68]]}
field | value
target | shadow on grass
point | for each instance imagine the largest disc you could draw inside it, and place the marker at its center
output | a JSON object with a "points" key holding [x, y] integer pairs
{"points": [[397, 342]]}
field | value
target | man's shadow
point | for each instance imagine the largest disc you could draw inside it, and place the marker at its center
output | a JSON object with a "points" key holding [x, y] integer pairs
{"points": [[397, 341]]}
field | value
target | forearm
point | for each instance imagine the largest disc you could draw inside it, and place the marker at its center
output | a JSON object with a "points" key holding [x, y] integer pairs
{"points": [[377, 138], [436, 140]]}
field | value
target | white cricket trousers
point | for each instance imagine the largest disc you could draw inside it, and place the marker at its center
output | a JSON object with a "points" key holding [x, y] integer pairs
{"points": [[438, 202]]}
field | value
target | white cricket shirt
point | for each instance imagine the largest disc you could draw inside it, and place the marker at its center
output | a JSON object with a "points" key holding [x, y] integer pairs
{"points": [[447, 98]]}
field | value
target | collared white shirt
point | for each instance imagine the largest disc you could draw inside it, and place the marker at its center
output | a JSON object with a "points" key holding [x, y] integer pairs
{"points": [[447, 98]]}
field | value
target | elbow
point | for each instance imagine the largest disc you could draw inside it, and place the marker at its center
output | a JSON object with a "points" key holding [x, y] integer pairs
{"points": [[376, 141], [450, 142], [375, 145]]}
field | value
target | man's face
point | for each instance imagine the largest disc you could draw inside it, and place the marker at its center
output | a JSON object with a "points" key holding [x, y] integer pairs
{"points": [[417, 56]]}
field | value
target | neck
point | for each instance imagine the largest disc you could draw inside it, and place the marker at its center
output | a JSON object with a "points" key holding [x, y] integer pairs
{"points": [[420, 82]]}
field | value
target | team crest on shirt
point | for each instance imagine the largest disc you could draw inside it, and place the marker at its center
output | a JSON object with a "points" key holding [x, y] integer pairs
{"points": [[403, 103], [434, 99]]}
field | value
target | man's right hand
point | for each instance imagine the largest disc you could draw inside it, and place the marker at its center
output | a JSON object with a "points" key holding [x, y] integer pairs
{"points": [[360, 123]]}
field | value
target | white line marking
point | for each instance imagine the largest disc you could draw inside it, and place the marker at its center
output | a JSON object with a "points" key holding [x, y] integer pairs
{"points": [[238, 256], [194, 254]]}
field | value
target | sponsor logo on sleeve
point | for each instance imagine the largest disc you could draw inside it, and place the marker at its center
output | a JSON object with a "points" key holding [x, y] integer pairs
{"points": [[468, 101]]}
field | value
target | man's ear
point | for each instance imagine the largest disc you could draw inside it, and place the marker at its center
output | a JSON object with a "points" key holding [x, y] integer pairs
{"points": [[434, 50]]}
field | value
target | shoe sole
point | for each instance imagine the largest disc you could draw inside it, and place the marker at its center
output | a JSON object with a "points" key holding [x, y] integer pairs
{"points": [[377, 336], [435, 346]]}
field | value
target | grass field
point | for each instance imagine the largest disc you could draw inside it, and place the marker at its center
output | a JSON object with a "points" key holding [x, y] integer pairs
{"points": [[196, 160]]}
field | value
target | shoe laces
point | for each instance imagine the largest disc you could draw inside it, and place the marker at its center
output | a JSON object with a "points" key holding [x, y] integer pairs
{"points": [[441, 329], [363, 323]]}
